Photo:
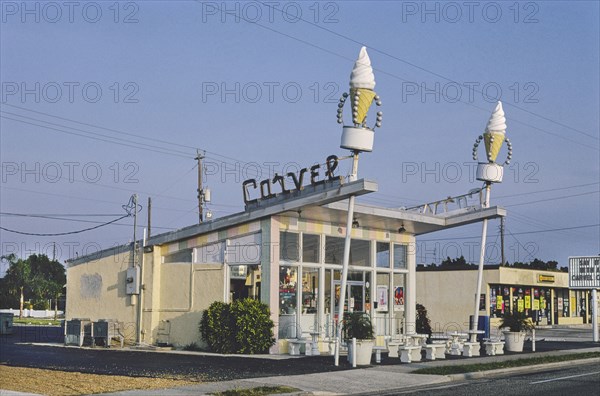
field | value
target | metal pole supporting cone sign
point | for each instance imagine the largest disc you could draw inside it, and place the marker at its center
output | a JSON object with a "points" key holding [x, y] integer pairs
{"points": [[358, 138], [489, 172]]}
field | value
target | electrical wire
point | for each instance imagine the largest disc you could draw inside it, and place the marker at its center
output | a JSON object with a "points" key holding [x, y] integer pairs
{"points": [[519, 233], [296, 17], [65, 233], [552, 199], [400, 78]]}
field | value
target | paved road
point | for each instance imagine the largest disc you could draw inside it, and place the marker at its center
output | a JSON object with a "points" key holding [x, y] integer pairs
{"points": [[578, 380]]}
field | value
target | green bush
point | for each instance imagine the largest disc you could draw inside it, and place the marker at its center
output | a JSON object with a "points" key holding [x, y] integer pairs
{"points": [[244, 326], [253, 325], [217, 328], [423, 322], [357, 325]]}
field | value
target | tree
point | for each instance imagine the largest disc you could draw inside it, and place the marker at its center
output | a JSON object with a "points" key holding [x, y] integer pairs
{"points": [[38, 278], [423, 324], [17, 278]]}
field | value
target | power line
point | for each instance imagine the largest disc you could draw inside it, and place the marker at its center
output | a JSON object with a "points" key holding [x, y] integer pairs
{"points": [[552, 199], [516, 233], [55, 214], [117, 131], [398, 77], [65, 233], [421, 68], [548, 190], [114, 140]]}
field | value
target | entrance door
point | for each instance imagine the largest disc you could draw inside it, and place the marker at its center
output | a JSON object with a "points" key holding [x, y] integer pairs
{"points": [[355, 296]]}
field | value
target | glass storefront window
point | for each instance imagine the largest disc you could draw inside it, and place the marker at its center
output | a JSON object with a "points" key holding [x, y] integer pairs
{"points": [[360, 253], [310, 248], [244, 282], [381, 302], [289, 247], [334, 250], [400, 256], [288, 284], [288, 288], [382, 255], [310, 290]]}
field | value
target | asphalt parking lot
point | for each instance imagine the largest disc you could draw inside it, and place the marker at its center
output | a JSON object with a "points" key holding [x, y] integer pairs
{"points": [[22, 349]]}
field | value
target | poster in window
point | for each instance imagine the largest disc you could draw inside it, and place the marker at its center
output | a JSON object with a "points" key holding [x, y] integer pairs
{"points": [[527, 302], [536, 304], [398, 298], [382, 298], [520, 305], [499, 303]]}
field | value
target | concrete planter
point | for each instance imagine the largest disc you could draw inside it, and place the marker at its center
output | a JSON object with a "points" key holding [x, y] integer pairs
{"points": [[364, 352], [514, 341]]}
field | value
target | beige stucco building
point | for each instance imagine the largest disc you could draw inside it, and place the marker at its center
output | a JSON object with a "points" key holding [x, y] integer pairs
{"points": [[285, 250], [542, 295]]}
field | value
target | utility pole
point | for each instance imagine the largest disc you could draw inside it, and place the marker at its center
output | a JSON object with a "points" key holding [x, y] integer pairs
{"points": [[199, 158], [502, 240], [54, 251], [149, 216], [135, 205]]}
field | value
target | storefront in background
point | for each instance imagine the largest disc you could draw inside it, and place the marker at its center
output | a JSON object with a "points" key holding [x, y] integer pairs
{"points": [[543, 296]]}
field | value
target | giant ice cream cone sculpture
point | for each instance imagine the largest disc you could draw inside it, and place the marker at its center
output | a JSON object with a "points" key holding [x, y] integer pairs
{"points": [[359, 137], [493, 137], [362, 85], [495, 133]]}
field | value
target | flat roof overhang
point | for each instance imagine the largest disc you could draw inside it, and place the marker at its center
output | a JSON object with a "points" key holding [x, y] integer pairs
{"points": [[309, 196], [392, 219]]}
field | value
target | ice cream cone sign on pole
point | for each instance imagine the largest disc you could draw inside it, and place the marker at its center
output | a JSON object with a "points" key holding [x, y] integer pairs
{"points": [[493, 137], [358, 136], [489, 172]]}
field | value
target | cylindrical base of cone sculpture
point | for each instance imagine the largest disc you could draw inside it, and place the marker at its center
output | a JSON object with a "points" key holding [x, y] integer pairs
{"points": [[490, 172], [358, 139]]}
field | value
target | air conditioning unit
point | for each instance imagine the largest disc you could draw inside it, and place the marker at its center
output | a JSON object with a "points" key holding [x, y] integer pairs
{"points": [[105, 330], [78, 331], [6, 323]]}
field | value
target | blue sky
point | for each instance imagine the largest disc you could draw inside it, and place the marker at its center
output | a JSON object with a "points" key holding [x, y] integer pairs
{"points": [[102, 99]]}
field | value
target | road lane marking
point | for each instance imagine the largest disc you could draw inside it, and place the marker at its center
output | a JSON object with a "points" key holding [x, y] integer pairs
{"points": [[562, 378]]}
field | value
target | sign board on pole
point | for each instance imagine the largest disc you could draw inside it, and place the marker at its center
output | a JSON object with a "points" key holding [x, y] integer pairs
{"points": [[584, 272]]}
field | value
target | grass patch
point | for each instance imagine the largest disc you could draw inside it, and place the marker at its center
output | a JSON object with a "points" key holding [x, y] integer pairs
{"points": [[259, 391], [470, 368], [37, 322]]}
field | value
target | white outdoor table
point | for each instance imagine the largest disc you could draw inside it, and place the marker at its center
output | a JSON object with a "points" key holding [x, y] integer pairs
{"points": [[457, 343], [418, 339]]}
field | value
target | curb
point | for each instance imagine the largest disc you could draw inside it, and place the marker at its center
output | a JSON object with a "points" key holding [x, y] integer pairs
{"points": [[535, 367]]}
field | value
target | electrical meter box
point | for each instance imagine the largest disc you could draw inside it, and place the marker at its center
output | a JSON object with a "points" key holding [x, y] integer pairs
{"points": [[133, 280]]}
